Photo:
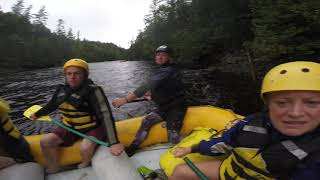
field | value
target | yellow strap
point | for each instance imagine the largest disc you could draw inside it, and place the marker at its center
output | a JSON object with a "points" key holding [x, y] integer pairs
{"points": [[75, 113], [15, 133], [85, 126], [80, 126], [79, 120]]}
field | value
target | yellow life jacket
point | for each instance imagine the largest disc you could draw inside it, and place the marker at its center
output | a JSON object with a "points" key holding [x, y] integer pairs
{"points": [[260, 155], [168, 162], [75, 118], [8, 127], [233, 167]]}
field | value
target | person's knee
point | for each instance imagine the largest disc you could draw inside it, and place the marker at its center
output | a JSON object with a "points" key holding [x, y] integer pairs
{"points": [[150, 120], [49, 140], [179, 171], [146, 124], [87, 147]]}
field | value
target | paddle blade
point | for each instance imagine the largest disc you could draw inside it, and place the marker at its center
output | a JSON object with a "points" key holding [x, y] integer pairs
{"points": [[31, 110]]}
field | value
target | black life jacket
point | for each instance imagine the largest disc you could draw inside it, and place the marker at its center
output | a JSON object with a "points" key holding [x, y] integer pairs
{"points": [[74, 107], [256, 157]]}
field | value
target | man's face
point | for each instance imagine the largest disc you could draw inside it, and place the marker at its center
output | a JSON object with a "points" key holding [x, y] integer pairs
{"points": [[74, 76], [294, 113], [162, 58]]}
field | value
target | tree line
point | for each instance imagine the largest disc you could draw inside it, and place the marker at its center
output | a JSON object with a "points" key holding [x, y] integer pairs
{"points": [[207, 32], [260, 33], [26, 42]]}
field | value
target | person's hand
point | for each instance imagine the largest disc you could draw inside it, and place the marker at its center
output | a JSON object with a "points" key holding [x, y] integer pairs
{"points": [[116, 149], [181, 151], [119, 102], [33, 117], [147, 96]]}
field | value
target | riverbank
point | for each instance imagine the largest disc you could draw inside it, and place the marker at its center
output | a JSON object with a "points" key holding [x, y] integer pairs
{"points": [[231, 83]]}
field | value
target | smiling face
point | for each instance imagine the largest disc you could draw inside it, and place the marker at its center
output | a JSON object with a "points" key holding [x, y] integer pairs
{"points": [[74, 76], [294, 113], [162, 58]]}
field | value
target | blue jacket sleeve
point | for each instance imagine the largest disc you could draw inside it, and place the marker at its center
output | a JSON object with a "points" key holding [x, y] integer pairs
{"points": [[140, 91], [220, 146], [311, 172]]}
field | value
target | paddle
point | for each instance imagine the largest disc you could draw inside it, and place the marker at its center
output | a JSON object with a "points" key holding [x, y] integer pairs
{"points": [[195, 169], [36, 108], [139, 100]]}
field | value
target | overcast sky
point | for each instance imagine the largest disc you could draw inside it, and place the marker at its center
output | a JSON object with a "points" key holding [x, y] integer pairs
{"points": [[116, 21]]}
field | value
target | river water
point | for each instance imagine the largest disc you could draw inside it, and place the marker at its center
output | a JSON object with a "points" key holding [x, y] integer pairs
{"points": [[23, 89]]}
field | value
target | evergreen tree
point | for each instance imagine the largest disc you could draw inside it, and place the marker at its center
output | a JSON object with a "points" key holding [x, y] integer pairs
{"points": [[285, 30], [18, 7], [27, 13], [70, 34], [201, 31], [41, 17], [34, 46], [60, 30], [78, 35]]}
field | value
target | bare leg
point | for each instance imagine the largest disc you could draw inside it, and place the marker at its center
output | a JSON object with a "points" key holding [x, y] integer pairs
{"points": [[209, 168], [49, 144], [6, 161], [87, 149]]}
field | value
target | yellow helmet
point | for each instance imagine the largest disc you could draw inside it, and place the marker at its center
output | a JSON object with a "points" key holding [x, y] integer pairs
{"points": [[298, 75], [4, 106], [76, 62]]}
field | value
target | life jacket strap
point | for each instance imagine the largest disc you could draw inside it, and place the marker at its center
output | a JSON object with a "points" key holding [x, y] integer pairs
{"points": [[255, 129], [294, 149]]}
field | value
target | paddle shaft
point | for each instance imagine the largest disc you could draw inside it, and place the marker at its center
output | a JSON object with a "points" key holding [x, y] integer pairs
{"points": [[56, 122], [139, 100], [195, 169]]}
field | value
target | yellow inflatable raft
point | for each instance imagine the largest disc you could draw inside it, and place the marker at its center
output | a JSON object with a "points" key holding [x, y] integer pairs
{"points": [[199, 116]]}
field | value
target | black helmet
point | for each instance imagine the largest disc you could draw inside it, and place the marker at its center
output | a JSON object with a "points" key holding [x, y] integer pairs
{"points": [[164, 48]]}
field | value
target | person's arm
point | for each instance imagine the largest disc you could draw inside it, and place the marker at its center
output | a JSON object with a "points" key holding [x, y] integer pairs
{"points": [[140, 91], [51, 106], [219, 146], [102, 110], [100, 105], [123, 100], [213, 147], [157, 78]]}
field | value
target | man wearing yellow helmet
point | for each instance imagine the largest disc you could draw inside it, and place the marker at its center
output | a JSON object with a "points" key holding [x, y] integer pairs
{"points": [[282, 143], [12, 143], [85, 108]]}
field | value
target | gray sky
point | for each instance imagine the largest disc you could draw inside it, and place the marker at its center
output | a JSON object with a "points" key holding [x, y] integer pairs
{"points": [[116, 21]]}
